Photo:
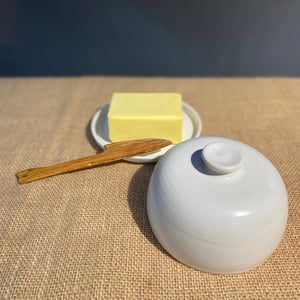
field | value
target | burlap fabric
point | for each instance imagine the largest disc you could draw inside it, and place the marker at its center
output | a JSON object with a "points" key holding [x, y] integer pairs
{"points": [[85, 235]]}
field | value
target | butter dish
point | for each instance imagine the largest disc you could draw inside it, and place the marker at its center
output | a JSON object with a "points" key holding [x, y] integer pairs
{"points": [[191, 127], [217, 205]]}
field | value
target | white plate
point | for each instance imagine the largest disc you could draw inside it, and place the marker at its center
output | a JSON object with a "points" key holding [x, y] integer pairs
{"points": [[191, 127]]}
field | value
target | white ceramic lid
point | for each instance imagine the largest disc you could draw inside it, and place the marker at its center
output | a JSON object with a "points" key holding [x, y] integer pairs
{"points": [[191, 127], [217, 205]]}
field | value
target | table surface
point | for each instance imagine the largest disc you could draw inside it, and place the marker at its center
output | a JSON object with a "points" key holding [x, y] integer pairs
{"points": [[86, 234]]}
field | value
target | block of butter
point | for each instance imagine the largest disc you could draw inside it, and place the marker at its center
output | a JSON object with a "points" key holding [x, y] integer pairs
{"points": [[145, 115]]}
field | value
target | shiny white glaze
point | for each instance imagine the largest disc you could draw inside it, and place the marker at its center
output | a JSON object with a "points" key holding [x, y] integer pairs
{"points": [[218, 223]]}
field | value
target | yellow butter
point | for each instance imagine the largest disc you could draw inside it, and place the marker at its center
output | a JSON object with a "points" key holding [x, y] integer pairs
{"points": [[145, 115]]}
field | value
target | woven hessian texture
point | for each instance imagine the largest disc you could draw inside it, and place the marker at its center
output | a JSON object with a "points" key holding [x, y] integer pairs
{"points": [[85, 235]]}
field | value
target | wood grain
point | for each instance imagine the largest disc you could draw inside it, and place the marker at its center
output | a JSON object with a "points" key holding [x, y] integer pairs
{"points": [[114, 152]]}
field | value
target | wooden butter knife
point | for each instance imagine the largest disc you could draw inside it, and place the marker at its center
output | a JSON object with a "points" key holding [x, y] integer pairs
{"points": [[113, 152]]}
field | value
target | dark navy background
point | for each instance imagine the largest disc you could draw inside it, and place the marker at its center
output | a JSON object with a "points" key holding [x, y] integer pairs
{"points": [[150, 38]]}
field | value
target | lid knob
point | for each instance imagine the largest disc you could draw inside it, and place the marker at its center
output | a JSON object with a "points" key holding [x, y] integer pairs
{"points": [[221, 158]]}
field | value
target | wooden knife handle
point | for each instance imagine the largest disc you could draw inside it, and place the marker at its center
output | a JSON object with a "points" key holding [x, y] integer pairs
{"points": [[113, 152]]}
